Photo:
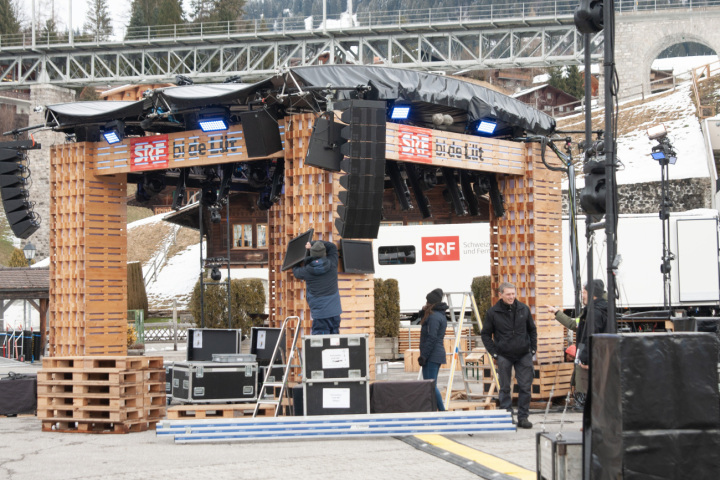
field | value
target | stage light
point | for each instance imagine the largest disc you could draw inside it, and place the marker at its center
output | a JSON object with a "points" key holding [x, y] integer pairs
{"points": [[213, 124], [400, 112], [213, 119], [215, 274], [658, 155], [114, 132], [215, 216], [487, 127]]}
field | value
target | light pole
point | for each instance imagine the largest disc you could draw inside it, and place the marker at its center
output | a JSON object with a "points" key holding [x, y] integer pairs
{"points": [[29, 252]]}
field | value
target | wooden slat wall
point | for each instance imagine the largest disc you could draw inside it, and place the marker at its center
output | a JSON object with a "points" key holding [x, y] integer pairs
{"points": [[88, 268], [527, 248], [310, 200]]}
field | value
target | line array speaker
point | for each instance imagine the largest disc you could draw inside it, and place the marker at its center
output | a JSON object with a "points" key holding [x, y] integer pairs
{"points": [[363, 167], [261, 132], [14, 178]]}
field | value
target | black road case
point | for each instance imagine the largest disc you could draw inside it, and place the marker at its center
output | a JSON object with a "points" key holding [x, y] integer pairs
{"points": [[335, 356], [262, 343], [203, 342], [214, 382], [342, 397]]}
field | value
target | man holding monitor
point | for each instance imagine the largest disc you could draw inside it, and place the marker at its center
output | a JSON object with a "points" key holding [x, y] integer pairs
{"points": [[321, 281]]}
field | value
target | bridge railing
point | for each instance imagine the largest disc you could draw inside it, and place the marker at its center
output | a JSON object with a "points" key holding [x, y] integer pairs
{"points": [[337, 23]]}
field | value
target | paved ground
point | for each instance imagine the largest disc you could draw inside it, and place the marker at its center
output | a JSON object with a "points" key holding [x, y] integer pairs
{"points": [[27, 453]]}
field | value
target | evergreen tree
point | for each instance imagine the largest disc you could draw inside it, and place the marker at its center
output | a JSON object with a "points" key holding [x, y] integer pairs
{"points": [[149, 13], [9, 23], [97, 22], [228, 10], [18, 259], [557, 77], [574, 82]]}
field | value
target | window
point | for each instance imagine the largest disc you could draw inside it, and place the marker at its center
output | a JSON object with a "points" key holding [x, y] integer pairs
{"points": [[261, 235], [242, 236], [396, 255]]}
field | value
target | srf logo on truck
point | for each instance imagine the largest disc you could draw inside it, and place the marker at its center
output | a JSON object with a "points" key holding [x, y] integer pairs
{"points": [[440, 249], [415, 144], [148, 153]]}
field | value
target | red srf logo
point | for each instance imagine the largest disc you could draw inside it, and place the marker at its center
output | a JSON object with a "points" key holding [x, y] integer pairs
{"points": [[149, 153], [415, 144], [440, 249]]}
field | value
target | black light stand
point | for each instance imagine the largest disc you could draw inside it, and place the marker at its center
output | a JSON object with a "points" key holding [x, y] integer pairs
{"points": [[664, 153]]}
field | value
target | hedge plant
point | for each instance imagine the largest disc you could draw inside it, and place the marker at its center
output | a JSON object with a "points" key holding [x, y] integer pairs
{"points": [[247, 299], [387, 308]]}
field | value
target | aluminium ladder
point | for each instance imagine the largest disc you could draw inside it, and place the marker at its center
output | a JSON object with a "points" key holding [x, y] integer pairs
{"points": [[278, 351], [477, 354]]}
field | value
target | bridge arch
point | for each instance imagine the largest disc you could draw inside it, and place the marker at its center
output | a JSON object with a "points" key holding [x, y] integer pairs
{"points": [[642, 36]]}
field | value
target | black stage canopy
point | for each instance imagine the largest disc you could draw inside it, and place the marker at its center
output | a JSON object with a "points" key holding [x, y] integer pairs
{"points": [[306, 89]]}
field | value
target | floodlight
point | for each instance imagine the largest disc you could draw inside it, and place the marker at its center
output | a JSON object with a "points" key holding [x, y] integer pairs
{"points": [[213, 124], [114, 132], [400, 112], [487, 127], [656, 132], [658, 155], [213, 119]]}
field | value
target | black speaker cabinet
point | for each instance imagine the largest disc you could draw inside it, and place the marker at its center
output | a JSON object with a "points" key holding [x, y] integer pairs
{"points": [[655, 406], [203, 342], [262, 133], [262, 343], [324, 147], [341, 397], [335, 356], [212, 382]]}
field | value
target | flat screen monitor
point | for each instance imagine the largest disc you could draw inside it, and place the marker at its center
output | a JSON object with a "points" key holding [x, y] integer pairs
{"points": [[296, 250], [357, 256]]}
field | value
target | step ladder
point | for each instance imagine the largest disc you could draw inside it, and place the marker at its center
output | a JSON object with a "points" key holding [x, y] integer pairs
{"points": [[473, 361], [279, 358]]}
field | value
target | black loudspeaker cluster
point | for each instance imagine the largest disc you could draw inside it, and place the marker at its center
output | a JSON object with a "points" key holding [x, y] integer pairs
{"points": [[363, 168], [14, 181], [655, 406]]}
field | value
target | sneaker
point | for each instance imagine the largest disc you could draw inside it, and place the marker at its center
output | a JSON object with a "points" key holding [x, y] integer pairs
{"points": [[524, 423]]}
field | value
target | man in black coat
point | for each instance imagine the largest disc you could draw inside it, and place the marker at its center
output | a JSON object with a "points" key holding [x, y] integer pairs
{"points": [[510, 336]]}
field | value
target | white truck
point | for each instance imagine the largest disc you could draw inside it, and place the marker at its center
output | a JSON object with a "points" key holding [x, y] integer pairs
{"points": [[424, 257]]}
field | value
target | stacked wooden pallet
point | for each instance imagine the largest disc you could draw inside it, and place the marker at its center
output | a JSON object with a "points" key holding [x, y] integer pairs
{"points": [[409, 338], [101, 394], [232, 410], [550, 381]]}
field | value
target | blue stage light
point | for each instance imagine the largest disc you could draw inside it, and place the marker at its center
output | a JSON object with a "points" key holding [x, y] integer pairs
{"points": [[400, 112], [487, 127], [213, 124], [114, 132]]}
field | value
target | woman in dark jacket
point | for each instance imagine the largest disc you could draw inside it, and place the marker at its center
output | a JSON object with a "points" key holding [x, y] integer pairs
{"points": [[432, 336]]}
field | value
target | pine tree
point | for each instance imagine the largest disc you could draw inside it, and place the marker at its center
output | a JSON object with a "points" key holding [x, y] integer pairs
{"points": [[574, 82], [97, 23], [149, 13], [169, 12], [557, 77], [9, 23]]}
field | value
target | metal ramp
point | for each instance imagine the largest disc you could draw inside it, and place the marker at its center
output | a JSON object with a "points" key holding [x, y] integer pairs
{"points": [[279, 396], [336, 426], [472, 362]]}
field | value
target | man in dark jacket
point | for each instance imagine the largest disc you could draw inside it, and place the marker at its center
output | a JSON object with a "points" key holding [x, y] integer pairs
{"points": [[580, 326], [321, 282], [432, 340], [510, 336]]}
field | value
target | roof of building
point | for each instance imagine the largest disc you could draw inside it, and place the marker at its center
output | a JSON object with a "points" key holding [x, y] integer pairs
{"points": [[24, 282]]}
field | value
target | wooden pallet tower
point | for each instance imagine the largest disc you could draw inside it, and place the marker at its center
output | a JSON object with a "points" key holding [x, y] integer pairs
{"points": [[526, 251], [310, 200]]}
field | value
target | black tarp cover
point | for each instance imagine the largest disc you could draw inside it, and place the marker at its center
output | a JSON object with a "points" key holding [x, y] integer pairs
{"points": [[83, 113], [655, 402], [390, 84], [411, 85]]}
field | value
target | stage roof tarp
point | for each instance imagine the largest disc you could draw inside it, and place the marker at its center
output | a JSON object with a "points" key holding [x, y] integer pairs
{"points": [[411, 85], [390, 84]]}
